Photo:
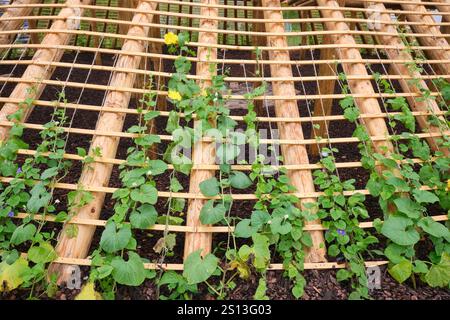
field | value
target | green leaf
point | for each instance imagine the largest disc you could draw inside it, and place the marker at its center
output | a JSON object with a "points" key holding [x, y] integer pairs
{"points": [[260, 293], [43, 253], [227, 152], [280, 225], [408, 207], [299, 287], [144, 217], [400, 230], [240, 180], [210, 187], [131, 272], [439, 275], [12, 275], [196, 269], [211, 214], [112, 240], [420, 267], [261, 251], [343, 275], [401, 271], [145, 194], [23, 233], [243, 229], [424, 196], [434, 228], [49, 173], [39, 198]]}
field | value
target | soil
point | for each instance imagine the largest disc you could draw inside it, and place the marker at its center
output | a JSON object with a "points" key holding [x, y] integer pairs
{"points": [[320, 284]]}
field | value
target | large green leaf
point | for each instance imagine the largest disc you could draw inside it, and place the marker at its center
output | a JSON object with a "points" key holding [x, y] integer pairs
{"points": [[261, 251], [401, 271], [240, 180], [434, 228], [113, 240], [210, 187], [439, 275], [23, 233], [144, 217], [400, 230], [131, 272], [145, 194], [196, 269], [408, 207], [424, 196], [211, 214], [43, 253], [243, 229]]}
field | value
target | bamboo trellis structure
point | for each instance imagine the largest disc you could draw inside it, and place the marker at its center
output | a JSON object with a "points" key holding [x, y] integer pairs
{"points": [[304, 47]]}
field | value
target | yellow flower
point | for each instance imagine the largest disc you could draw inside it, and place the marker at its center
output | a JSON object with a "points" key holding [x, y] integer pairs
{"points": [[448, 185], [204, 93], [170, 38], [174, 95]]}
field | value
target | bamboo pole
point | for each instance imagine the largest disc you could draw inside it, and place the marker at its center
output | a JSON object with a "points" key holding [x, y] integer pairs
{"points": [[41, 71], [437, 39], [202, 153], [98, 174], [323, 107], [301, 179], [6, 24], [419, 105]]}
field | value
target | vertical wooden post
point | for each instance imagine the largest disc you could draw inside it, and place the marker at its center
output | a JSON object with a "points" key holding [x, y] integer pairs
{"points": [[41, 71], [442, 52], [400, 53], [375, 126], [9, 13], [292, 154], [258, 41], [323, 107], [445, 30], [202, 152], [97, 174]]}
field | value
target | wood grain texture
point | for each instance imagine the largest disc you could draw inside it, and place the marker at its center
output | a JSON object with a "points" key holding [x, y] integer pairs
{"points": [[300, 179], [323, 107], [437, 39], [403, 69], [9, 13], [202, 152], [42, 71], [98, 174]]}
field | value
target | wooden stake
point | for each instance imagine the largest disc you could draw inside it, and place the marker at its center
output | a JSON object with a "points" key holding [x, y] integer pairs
{"points": [[202, 153], [98, 174], [41, 71], [402, 69], [323, 107], [6, 24], [437, 40], [301, 179]]}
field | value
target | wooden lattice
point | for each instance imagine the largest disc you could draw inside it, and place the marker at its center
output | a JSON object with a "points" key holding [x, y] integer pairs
{"points": [[306, 43]]}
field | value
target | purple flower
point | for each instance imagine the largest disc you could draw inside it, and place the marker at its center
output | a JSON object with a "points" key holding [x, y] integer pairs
{"points": [[11, 214], [341, 232], [19, 170]]}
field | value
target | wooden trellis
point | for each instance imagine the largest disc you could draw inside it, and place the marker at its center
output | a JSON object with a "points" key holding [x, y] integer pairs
{"points": [[131, 32]]}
